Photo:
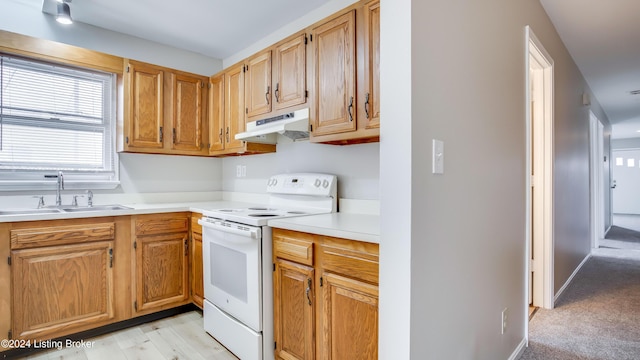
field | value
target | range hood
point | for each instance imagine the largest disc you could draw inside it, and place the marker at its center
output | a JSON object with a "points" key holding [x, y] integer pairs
{"points": [[294, 125]]}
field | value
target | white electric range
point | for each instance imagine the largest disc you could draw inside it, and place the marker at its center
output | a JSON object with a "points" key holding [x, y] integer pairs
{"points": [[237, 264]]}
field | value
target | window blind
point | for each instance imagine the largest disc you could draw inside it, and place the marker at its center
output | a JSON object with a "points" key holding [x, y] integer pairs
{"points": [[55, 117]]}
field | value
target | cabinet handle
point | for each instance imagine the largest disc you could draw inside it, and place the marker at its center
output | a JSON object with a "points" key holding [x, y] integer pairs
{"points": [[227, 134], [266, 95], [277, 92], [308, 290], [161, 134], [221, 138], [110, 258], [186, 246], [174, 135], [350, 108], [366, 105]]}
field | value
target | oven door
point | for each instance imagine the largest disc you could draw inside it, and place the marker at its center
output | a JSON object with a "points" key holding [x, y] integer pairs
{"points": [[232, 269]]}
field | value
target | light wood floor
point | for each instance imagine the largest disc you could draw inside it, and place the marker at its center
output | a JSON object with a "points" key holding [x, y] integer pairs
{"points": [[176, 338]]}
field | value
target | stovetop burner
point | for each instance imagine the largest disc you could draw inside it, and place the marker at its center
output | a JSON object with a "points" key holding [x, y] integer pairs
{"points": [[230, 210], [261, 208], [297, 212], [262, 215]]}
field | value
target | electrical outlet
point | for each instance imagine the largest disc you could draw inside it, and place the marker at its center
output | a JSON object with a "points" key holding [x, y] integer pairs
{"points": [[243, 172], [238, 171], [504, 320]]}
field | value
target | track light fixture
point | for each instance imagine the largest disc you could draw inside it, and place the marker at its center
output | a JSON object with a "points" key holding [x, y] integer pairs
{"points": [[64, 13]]}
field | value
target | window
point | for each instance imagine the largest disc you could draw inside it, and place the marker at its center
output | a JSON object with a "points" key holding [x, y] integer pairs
{"points": [[55, 117], [619, 161], [631, 162]]}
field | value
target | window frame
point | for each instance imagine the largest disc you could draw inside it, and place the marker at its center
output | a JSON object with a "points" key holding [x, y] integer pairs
{"points": [[33, 179]]}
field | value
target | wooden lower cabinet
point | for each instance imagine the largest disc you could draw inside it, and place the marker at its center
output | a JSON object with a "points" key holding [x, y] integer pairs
{"points": [[63, 276], [325, 297], [197, 277], [62, 287], [345, 300], [293, 310], [72, 275], [161, 257]]}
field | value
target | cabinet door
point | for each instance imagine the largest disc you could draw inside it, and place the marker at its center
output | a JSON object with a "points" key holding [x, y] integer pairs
{"points": [[145, 106], [371, 86], [216, 113], [197, 281], [293, 312], [258, 84], [61, 288], [162, 270], [290, 72], [234, 106], [350, 319], [187, 113], [334, 107]]}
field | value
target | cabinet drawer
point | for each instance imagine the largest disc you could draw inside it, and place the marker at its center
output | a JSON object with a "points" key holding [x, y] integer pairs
{"points": [[162, 224], [349, 262], [293, 246], [60, 235]]}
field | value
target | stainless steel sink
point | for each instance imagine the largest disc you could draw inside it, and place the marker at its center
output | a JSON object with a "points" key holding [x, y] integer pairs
{"points": [[29, 211], [95, 208]]}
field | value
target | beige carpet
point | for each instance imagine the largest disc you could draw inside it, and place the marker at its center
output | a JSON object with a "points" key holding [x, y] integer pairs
{"points": [[597, 317]]}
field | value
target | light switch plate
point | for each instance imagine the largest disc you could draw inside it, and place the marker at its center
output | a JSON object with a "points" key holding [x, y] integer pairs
{"points": [[437, 163]]}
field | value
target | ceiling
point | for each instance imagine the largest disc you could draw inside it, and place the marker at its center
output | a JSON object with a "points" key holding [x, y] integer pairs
{"points": [[603, 37], [215, 28]]}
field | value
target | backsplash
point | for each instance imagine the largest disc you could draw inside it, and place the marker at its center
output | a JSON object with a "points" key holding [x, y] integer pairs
{"points": [[357, 167]]}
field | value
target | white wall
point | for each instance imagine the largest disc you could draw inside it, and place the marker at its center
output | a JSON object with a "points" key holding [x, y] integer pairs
{"points": [[465, 237], [26, 17], [631, 143], [357, 167]]}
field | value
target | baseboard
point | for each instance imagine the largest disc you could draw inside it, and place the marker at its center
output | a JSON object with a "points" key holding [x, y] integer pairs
{"points": [[607, 231], [519, 350], [566, 284]]}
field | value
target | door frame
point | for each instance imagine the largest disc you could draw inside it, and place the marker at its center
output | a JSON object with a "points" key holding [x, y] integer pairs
{"points": [[596, 136], [543, 293]]}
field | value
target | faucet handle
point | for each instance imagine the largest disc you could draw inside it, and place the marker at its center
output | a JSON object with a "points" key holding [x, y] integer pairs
{"points": [[40, 200], [89, 198], [75, 200]]}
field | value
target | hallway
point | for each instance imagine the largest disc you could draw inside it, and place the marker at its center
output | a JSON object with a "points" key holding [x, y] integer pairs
{"points": [[598, 316]]}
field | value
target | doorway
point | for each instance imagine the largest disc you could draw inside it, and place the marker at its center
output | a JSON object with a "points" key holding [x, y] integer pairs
{"points": [[597, 180], [539, 229]]}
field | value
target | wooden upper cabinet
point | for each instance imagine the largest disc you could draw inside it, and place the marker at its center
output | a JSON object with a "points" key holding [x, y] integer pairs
{"points": [[290, 72], [216, 113], [145, 106], [187, 113], [334, 76], [234, 108], [258, 84], [371, 81], [58, 289], [164, 111]]}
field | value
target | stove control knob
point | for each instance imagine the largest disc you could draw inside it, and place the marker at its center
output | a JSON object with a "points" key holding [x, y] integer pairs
{"points": [[325, 183], [317, 183]]}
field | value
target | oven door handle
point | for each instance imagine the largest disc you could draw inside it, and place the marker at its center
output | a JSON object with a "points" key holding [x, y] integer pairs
{"points": [[250, 232]]}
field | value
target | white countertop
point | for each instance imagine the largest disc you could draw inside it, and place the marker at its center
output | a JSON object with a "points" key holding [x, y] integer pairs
{"points": [[361, 227], [136, 209]]}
